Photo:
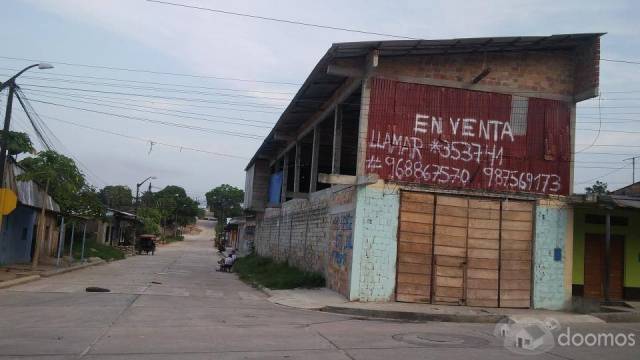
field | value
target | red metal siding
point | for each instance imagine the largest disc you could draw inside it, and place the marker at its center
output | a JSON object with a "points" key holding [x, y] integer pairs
{"points": [[462, 139]]}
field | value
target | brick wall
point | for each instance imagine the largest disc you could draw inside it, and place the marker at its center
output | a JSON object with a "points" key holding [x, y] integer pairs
{"points": [[587, 70], [312, 234], [540, 71], [550, 290], [374, 254]]}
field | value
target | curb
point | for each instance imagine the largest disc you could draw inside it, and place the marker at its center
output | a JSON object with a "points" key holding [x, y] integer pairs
{"points": [[414, 316], [18, 281], [618, 317], [50, 273]]}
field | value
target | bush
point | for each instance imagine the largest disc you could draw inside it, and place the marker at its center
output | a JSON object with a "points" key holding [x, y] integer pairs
{"points": [[94, 249], [263, 271], [170, 238]]}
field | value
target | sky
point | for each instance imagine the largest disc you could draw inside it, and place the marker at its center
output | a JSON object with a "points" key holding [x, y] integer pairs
{"points": [[242, 72]]}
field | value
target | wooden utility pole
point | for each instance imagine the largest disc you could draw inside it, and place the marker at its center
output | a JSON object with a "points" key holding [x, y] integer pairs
{"points": [[40, 231]]}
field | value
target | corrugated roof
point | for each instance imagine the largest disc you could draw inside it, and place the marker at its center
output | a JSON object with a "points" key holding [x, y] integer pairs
{"points": [[626, 201], [320, 86], [29, 193]]}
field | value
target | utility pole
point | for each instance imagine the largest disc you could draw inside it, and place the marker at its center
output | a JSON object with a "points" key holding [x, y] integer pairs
{"points": [[633, 165], [4, 142], [11, 84], [137, 204]]}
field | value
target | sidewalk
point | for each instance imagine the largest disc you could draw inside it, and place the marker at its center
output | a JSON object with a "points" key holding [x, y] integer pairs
{"points": [[330, 301], [15, 274]]}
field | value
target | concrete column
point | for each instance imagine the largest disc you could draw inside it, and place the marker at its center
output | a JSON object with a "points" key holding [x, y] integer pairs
{"points": [[313, 181], [337, 140], [285, 176], [296, 174], [363, 127]]}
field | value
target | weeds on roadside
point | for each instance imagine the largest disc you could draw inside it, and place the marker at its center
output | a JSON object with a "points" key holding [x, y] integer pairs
{"points": [[266, 272]]}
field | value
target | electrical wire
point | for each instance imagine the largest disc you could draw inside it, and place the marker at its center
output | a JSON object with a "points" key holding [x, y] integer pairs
{"points": [[148, 110], [595, 139], [603, 175], [154, 96], [159, 122], [148, 82], [158, 89], [156, 142], [153, 71], [120, 99], [292, 22]]}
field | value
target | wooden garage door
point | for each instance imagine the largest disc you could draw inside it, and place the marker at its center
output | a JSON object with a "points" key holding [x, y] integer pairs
{"points": [[515, 253], [483, 253], [415, 235], [450, 249], [594, 266]]}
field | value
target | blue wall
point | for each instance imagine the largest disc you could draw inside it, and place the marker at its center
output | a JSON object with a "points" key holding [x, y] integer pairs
{"points": [[553, 221], [16, 236], [373, 275], [275, 186]]}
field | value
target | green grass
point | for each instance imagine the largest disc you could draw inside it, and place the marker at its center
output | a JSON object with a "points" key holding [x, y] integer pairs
{"points": [[94, 249], [170, 239], [263, 271]]}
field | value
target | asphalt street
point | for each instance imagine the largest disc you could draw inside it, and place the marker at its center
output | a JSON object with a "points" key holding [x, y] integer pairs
{"points": [[174, 305]]}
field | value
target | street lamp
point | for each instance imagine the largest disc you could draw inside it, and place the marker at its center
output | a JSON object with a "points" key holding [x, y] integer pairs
{"points": [[136, 207], [138, 190], [11, 84]]}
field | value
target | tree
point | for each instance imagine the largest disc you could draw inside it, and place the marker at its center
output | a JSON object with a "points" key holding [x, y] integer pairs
{"points": [[225, 201], [598, 188], [118, 197], [175, 206], [18, 143], [89, 203], [151, 219], [62, 180]]}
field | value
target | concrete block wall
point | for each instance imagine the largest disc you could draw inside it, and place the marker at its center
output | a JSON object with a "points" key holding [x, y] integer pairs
{"points": [[373, 274], [551, 72], [312, 234], [553, 230]]}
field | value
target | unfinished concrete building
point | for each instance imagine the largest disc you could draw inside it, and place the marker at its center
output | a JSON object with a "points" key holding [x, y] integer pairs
{"points": [[429, 171]]}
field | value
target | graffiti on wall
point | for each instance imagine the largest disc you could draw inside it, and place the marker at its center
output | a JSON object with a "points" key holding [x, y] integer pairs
{"points": [[341, 240], [467, 139]]}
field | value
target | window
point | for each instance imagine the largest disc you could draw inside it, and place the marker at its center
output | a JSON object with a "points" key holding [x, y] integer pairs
{"points": [[600, 220]]}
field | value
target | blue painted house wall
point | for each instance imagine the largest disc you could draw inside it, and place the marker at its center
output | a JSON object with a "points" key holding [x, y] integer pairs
{"points": [[373, 274], [16, 236], [552, 256]]}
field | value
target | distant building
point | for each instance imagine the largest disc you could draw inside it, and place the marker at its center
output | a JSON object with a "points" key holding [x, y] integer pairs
{"points": [[592, 263], [18, 233], [430, 171]]}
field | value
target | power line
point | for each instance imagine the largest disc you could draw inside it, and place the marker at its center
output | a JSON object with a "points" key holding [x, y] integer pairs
{"points": [[601, 176], [166, 123], [152, 71], [72, 97], [155, 142], [292, 22], [170, 90], [45, 131], [147, 110], [102, 97], [155, 96], [611, 60], [150, 82]]}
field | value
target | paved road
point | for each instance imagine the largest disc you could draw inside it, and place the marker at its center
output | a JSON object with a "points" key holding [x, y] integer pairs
{"points": [[175, 306]]}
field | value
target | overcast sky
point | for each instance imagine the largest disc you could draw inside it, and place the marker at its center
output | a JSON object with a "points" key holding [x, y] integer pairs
{"points": [[136, 34]]}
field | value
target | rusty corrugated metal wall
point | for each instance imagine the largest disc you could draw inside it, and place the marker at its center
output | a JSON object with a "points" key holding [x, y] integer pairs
{"points": [[463, 139]]}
